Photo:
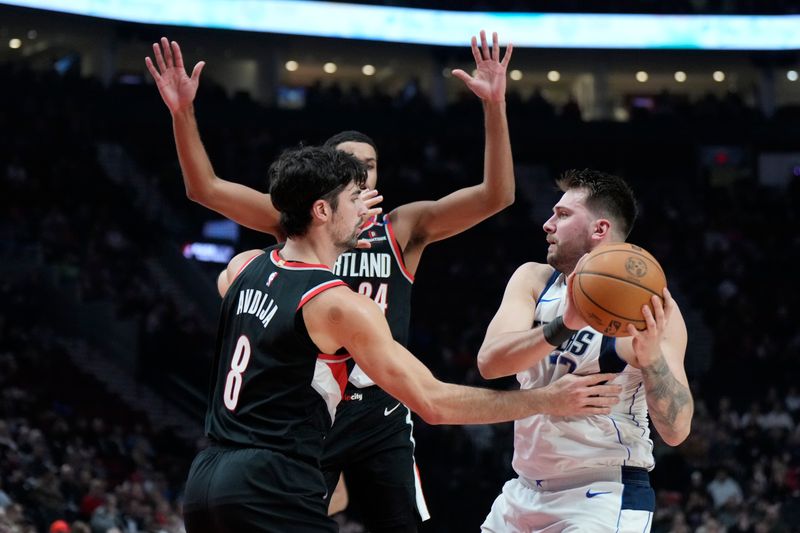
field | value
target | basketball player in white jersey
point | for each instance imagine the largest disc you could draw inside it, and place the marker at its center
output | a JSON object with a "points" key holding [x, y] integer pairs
{"points": [[585, 473]]}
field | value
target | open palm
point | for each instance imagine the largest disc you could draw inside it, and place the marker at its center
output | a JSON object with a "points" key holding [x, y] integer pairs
{"points": [[177, 89], [489, 81]]}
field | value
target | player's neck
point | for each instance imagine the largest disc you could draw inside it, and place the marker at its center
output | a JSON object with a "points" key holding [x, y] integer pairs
{"points": [[307, 250]]}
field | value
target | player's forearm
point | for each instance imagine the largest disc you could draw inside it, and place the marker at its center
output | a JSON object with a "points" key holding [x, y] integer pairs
{"points": [[198, 173], [669, 402], [498, 168], [457, 404], [509, 353]]}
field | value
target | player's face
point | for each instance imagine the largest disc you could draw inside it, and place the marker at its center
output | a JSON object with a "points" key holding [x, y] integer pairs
{"points": [[366, 154], [569, 231], [347, 218]]}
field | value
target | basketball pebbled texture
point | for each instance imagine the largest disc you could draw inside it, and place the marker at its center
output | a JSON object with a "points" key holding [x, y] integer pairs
{"points": [[613, 284]]}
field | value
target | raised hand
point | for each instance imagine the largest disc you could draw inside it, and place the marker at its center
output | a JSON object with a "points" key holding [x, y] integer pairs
{"points": [[176, 88], [647, 343], [489, 82], [572, 395], [370, 198]]}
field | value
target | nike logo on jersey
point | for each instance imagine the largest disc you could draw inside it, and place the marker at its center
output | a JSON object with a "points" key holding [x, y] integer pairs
{"points": [[387, 411], [590, 494]]}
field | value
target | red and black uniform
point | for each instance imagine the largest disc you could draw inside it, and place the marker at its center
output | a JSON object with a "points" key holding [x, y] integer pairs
{"points": [[371, 440], [271, 404]]}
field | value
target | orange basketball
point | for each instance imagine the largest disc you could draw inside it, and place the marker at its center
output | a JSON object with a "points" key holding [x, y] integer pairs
{"points": [[613, 284]]}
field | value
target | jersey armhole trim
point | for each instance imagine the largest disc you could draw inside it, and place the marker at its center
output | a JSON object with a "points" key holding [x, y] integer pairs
{"points": [[396, 251], [322, 287], [550, 281], [245, 266]]}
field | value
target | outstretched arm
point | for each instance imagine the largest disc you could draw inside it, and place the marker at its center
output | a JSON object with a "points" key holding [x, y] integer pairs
{"points": [[340, 317], [420, 223], [659, 352], [241, 204]]}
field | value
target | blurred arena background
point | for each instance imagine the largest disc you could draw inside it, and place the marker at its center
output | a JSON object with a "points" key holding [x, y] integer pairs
{"points": [[109, 306]]}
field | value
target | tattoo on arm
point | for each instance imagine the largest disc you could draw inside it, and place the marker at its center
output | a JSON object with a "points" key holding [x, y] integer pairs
{"points": [[668, 396]]}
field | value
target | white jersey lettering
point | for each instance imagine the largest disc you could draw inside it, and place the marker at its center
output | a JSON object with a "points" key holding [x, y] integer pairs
{"points": [[363, 265], [257, 303]]}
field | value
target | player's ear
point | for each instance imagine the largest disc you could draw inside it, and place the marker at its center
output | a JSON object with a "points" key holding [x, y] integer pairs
{"points": [[321, 210], [602, 227]]}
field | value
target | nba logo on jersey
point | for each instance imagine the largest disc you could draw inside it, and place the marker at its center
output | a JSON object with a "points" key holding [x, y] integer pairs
{"points": [[372, 234], [271, 278]]}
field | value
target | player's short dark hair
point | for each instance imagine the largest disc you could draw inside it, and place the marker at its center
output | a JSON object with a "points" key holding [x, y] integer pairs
{"points": [[301, 176], [608, 195], [350, 136]]}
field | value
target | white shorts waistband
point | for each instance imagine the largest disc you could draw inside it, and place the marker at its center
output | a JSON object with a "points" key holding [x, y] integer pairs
{"points": [[617, 474]]}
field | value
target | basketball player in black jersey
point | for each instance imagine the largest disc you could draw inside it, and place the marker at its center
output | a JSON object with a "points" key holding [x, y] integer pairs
{"points": [[288, 324], [371, 441]]}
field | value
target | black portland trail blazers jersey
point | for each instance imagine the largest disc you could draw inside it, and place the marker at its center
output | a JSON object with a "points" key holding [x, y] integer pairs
{"points": [[380, 274], [270, 386]]}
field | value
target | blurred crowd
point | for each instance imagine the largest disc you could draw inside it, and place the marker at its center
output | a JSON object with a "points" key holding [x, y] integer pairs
{"points": [[72, 456], [70, 453]]}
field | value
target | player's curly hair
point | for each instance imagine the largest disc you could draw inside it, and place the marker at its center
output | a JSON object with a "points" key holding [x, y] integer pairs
{"points": [[608, 195], [301, 176]]}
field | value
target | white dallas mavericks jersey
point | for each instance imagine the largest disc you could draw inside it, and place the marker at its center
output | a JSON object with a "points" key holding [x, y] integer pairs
{"points": [[552, 446]]}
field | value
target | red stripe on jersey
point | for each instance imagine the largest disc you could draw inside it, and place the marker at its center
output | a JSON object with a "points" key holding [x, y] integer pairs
{"points": [[318, 289], [368, 223], [338, 369], [245, 265], [295, 265], [398, 253]]}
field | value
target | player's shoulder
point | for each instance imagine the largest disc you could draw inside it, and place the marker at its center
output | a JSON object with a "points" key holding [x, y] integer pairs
{"points": [[340, 304], [533, 275], [241, 260]]}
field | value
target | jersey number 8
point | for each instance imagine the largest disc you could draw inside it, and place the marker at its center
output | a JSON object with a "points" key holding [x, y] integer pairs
{"points": [[239, 362]]}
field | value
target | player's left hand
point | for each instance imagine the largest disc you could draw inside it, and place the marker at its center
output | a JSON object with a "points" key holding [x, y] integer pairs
{"points": [[489, 82], [370, 199], [647, 343]]}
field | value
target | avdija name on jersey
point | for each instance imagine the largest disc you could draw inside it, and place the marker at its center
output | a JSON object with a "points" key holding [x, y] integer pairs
{"points": [[255, 302]]}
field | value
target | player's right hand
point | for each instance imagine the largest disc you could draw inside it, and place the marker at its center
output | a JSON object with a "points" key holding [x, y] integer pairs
{"points": [[177, 89], [370, 199], [572, 395]]}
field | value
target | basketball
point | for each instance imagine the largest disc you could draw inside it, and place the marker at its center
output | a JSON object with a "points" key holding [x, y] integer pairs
{"points": [[613, 284]]}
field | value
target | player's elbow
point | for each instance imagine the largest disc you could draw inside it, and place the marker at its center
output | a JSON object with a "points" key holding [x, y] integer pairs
{"points": [[499, 200], [196, 194], [677, 436], [199, 191], [430, 405], [486, 366], [427, 410], [508, 198]]}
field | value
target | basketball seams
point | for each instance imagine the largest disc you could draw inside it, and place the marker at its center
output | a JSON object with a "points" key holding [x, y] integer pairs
{"points": [[611, 276], [613, 249], [610, 312]]}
